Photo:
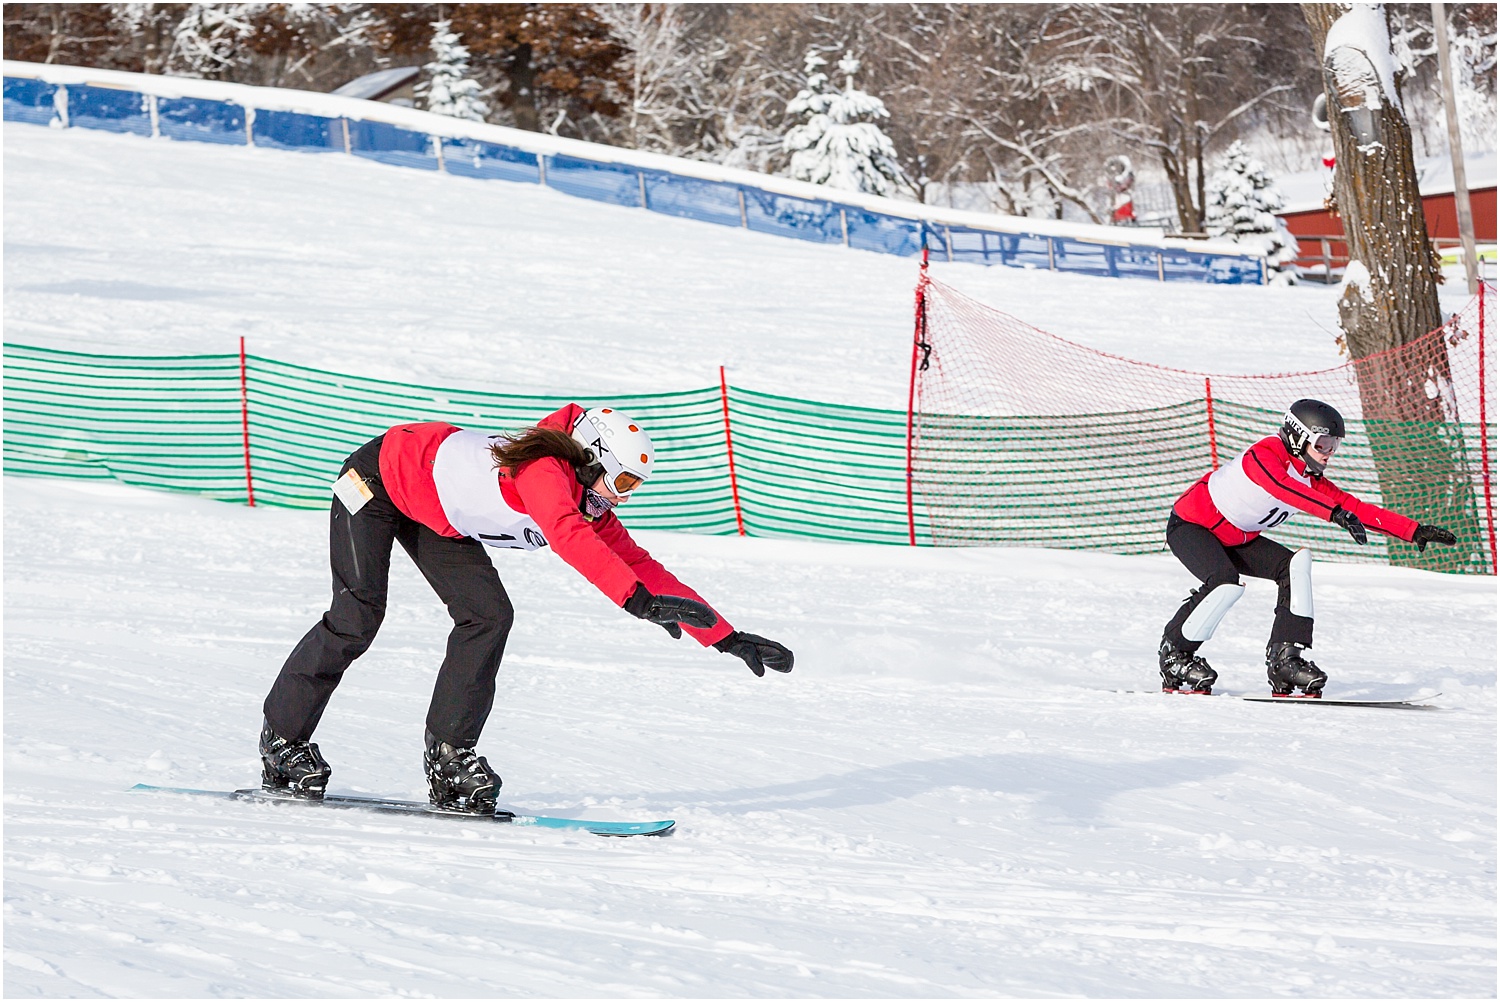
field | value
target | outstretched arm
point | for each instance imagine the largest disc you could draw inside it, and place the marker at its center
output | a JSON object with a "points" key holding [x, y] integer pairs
{"points": [[1374, 516], [656, 578], [1266, 466], [758, 653]]}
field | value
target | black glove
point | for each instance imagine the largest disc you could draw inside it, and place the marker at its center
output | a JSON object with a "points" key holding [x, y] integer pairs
{"points": [[1347, 520], [1432, 534], [665, 609], [757, 652], [674, 630]]}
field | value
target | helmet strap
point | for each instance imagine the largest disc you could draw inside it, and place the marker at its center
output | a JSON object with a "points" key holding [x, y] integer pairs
{"points": [[588, 475]]}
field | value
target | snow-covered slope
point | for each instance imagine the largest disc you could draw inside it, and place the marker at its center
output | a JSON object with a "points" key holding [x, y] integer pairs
{"points": [[943, 799], [116, 243], [946, 798]]}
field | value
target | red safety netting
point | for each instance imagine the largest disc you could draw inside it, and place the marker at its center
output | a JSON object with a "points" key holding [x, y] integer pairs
{"points": [[1019, 437]]}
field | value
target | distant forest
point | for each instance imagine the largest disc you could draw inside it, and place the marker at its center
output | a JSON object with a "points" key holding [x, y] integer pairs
{"points": [[1022, 102]]}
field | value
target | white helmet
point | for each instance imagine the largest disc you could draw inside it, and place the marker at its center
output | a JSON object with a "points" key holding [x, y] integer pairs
{"points": [[621, 449]]}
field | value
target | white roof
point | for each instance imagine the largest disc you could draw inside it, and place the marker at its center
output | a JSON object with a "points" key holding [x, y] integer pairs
{"points": [[373, 86]]}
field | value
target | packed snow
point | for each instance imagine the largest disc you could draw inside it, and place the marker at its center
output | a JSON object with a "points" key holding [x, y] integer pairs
{"points": [[951, 795]]}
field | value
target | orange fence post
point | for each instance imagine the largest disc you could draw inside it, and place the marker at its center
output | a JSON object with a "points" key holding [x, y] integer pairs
{"points": [[1484, 438], [1213, 437], [918, 341], [734, 484], [245, 424]]}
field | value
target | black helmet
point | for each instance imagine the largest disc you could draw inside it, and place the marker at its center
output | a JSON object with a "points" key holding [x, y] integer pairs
{"points": [[1312, 423]]}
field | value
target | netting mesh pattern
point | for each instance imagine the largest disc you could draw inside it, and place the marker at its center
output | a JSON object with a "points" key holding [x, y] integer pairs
{"points": [[179, 423], [1021, 438]]}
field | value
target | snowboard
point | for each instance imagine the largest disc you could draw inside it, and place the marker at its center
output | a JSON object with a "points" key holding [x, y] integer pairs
{"points": [[1408, 703], [385, 806]]}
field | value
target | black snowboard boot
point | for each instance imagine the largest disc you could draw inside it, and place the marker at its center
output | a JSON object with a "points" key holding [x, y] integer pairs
{"points": [[1287, 670], [295, 768], [458, 779], [1184, 671]]}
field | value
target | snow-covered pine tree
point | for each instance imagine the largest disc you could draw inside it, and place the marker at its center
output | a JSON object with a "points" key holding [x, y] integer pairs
{"points": [[1241, 204], [838, 143], [448, 89]]}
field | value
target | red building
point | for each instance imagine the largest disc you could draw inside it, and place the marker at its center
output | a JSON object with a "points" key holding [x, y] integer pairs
{"points": [[1320, 233]]}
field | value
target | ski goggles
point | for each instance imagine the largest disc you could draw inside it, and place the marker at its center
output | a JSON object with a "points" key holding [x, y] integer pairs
{"points": [[622, 483], [1326, 445]]}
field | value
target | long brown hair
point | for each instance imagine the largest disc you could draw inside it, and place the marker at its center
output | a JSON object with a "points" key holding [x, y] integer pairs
{"points": [[513, 451]]}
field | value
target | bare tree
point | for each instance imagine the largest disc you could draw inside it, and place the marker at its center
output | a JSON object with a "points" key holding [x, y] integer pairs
{"points": [[1170, 78], [668, 77]]}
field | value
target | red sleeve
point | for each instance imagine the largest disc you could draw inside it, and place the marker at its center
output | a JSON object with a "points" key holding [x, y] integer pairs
{"points": [[657, 579], [546, 488], [1373, 516]]}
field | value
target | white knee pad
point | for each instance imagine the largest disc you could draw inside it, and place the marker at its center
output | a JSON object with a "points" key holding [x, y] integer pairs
{"points": [[1204, 620], [1301, 574]]}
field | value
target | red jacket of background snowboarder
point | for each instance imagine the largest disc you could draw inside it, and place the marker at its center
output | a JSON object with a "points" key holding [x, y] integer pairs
{"points": [[1264, 485]]}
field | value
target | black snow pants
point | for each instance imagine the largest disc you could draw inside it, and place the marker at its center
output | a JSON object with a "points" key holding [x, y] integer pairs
{"points": [[1215, 564], [459, 571]]}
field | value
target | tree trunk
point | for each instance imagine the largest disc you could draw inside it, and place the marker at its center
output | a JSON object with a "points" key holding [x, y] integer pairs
{"points": [[1407, 402], [523, 90]]}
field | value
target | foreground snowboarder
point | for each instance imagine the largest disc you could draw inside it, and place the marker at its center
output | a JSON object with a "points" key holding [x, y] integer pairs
{"points": [[1215, 530], [441, 492]]}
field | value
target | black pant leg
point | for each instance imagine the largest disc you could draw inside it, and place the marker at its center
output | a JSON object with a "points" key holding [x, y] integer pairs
{"points": [[1266, 558], [1208, 559], [461, 573], [359, 551]]}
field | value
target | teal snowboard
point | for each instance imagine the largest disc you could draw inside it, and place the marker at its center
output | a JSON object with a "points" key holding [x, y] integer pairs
{"points": [[382, 805]]}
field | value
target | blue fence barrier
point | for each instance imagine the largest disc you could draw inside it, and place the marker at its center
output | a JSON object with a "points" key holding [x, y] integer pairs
{"points": [[290, 130], [40, 102], [109, 109], [198, 120], [392, 145], [474, 158], [30, 101]]}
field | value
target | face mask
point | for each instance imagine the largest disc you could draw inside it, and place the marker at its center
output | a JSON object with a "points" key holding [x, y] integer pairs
{"points": [[594, 504]]}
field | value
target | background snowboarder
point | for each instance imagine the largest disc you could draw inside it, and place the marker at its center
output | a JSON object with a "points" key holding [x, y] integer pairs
{"points": [[441, 492], [1215, 530]]}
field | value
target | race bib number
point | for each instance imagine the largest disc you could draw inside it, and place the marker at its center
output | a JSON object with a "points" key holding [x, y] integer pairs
{"points": [[352, 490]]}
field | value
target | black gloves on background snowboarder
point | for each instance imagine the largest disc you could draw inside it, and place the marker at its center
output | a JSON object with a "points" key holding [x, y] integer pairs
{"points": [[1347, 520], [1432, 534], [669, 610], [757, 652]]}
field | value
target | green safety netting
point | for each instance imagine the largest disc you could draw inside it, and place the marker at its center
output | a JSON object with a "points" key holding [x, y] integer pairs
{"points": [[179, 423], [1070, 476]]}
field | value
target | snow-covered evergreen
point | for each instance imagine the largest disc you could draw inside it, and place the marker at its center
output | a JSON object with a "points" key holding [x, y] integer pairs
{"points": [[448, 89], [838, 143], [1241, 204]]}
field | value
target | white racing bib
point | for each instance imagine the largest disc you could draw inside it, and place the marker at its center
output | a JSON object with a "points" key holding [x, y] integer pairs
{"points": [[468, 487], [1246, 505]]}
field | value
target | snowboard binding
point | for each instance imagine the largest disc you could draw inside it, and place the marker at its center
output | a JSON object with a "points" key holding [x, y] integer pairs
{"points": [[459, 780], [292, 768], [1288, 671], [1184, 671]]}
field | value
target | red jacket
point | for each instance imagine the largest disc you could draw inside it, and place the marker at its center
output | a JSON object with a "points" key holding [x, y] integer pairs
{"points": [[1263, 486], [547, 491]]}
